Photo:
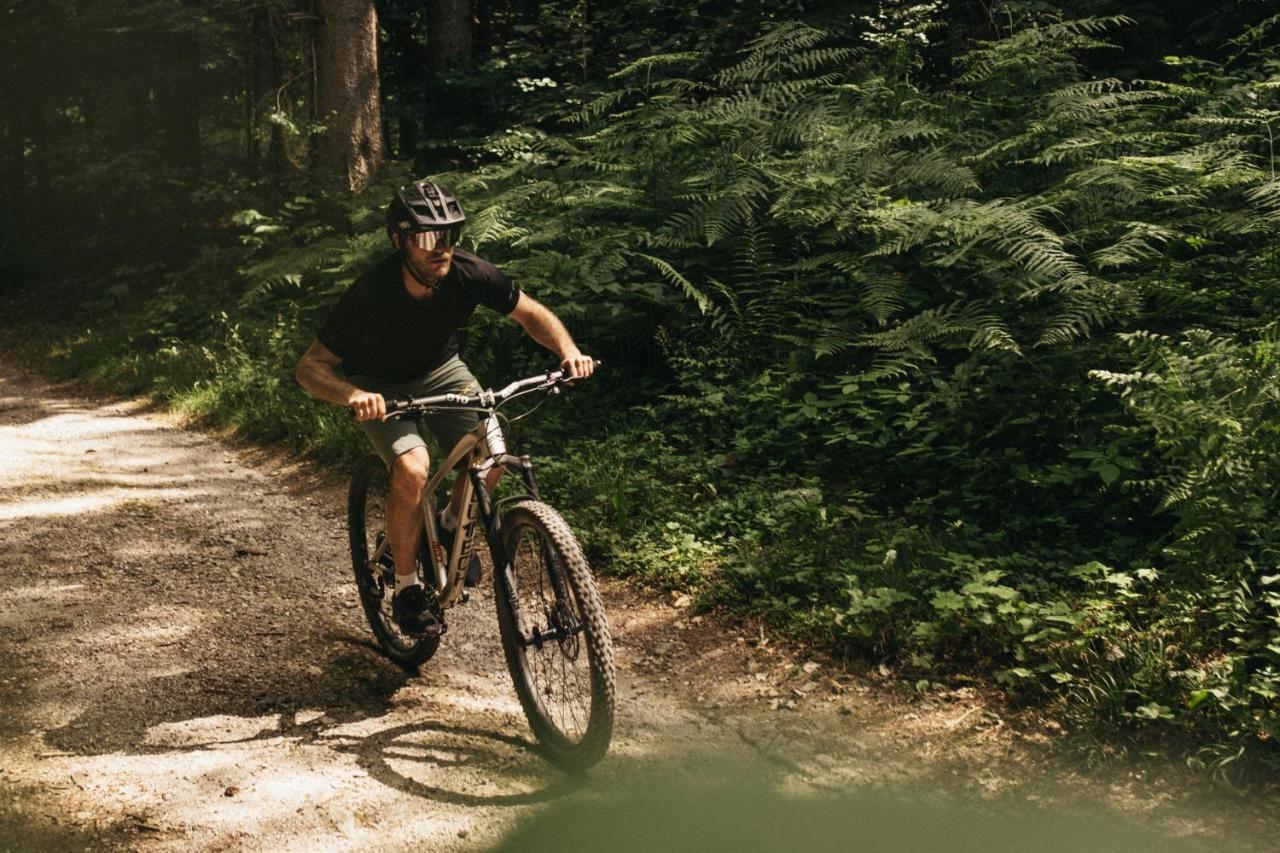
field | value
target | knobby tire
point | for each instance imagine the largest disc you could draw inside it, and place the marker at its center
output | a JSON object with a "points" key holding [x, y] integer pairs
{"points": [[573, 740]]}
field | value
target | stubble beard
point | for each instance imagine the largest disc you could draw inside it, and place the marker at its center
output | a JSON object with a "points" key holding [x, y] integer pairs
{"points": [[427, 273]]}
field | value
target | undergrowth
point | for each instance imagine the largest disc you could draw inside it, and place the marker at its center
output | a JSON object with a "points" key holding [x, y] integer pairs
{"points": [[978, 377]]}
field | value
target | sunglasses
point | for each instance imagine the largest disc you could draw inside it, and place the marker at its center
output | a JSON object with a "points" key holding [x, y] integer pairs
{"points": [[443, 238]]}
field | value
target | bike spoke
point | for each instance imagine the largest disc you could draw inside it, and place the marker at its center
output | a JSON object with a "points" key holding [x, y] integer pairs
{"points": [[560, 678]]}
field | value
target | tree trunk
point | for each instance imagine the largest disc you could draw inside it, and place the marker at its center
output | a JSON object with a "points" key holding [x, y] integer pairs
{"points": [[178, 102], [450, 34], [276, 99], [347, 54], [40, 157], [407, 85], [407, 140], [253, 88], [13, 181]]}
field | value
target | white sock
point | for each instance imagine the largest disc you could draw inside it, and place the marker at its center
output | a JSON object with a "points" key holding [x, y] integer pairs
{"points": [[406, 580], [447, 519]]}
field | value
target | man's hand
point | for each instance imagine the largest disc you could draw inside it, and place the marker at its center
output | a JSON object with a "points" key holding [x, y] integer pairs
{"points": [[546, 328], [367, 406], [579, 366]]}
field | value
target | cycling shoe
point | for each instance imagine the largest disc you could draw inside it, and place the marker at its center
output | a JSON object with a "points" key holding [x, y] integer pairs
{"points": [[412, 612]]}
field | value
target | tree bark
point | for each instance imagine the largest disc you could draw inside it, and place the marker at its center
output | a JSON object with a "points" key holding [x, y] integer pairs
{"points": [[276, 97], [407, 84], [450, 34], [40, 156], [254, 87], [350, 148], [178, 102], [12, 177]]}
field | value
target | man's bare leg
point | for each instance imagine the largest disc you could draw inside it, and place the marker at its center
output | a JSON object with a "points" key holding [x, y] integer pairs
{"points": [[409, 475]]}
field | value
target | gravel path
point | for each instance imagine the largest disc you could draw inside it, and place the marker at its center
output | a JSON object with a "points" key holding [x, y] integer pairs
{"points": [[184, 665]]}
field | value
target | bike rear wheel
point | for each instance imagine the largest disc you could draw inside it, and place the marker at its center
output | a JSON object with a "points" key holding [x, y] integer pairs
{"points": [[557, 642], [371, 561]]}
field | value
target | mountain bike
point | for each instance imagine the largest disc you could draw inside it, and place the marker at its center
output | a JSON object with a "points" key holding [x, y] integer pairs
{"points": [[550, 617]]}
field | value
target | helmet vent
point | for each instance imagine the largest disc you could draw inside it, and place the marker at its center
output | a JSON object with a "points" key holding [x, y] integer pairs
{"points": [[422, 206]]}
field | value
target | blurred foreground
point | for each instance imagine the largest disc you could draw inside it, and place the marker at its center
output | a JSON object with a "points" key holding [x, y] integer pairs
{"points": [[739, 812]]}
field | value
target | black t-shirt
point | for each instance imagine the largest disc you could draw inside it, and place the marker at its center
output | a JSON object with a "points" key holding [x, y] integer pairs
{"points": [[379, 330]]}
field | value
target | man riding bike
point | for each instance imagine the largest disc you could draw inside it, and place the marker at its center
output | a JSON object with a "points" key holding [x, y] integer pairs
{"points": [[394, 334]]}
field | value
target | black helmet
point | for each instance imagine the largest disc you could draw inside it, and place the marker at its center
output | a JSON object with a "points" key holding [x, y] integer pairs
{"points": [[424, 206]]}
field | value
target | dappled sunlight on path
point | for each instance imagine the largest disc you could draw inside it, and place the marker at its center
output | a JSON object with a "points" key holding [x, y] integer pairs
{"points": [[184, 665]]}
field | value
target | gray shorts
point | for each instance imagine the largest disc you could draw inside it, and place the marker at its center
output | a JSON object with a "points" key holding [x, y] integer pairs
{"points": [[396, 436]]}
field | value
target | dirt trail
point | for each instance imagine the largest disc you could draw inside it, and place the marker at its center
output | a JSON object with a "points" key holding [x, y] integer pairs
{"points": [[184, 665]]}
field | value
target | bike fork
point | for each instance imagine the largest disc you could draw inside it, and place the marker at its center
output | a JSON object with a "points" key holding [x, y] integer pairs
{"points": [[503, 573], [497, 551]]}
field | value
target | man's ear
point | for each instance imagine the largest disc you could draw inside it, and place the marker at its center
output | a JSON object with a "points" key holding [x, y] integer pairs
{"points": [[395, 239]]}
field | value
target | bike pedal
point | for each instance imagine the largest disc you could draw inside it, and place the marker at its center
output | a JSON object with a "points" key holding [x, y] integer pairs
{"points": [[435, 629]]}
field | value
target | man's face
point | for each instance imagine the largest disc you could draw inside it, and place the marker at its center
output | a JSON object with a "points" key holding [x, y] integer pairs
{"points": [[427, 265]]}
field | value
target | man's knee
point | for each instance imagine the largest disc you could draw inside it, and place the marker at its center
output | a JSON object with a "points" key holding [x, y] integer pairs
{"points": [[410, 470]]}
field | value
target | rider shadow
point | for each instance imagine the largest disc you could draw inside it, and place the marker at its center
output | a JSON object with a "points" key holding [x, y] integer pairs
{"points": [[188, 710], [216, 707], [483, 767]]}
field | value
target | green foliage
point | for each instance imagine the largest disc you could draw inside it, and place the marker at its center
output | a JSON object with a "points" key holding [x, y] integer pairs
{"points": [[976, 371], [845, 267]]}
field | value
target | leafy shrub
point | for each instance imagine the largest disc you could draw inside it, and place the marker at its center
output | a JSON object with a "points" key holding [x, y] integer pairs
{"points": [[971, 374]]}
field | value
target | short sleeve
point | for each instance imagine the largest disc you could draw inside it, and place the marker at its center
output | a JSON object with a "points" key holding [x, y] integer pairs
{"points": [[495, 290], [339, 331]]}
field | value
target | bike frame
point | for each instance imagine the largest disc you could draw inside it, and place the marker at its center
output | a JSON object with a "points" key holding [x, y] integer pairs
{"points": [[551, 619], [482, 449], [478, 452]]}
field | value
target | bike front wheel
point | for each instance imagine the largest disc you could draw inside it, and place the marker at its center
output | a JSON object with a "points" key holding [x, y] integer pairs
{"points": [[373, 566], [555, 636]]}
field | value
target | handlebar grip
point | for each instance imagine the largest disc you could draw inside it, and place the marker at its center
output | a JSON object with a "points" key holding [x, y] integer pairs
{"points": [[395, 406], [564, 376]]}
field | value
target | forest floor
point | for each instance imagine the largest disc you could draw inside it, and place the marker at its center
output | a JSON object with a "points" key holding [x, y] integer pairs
{"points": [[184, 665]]}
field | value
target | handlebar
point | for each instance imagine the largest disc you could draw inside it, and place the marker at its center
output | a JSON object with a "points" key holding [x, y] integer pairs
{"points": [[485, 399]]}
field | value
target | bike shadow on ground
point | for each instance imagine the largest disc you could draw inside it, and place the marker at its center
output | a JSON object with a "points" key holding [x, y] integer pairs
{"points": [[459, 765], [482, 764], [327, 704]]}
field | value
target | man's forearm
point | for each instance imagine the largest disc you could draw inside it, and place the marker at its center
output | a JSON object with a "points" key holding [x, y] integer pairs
{"points": [[546, 328], [320, 380]]}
